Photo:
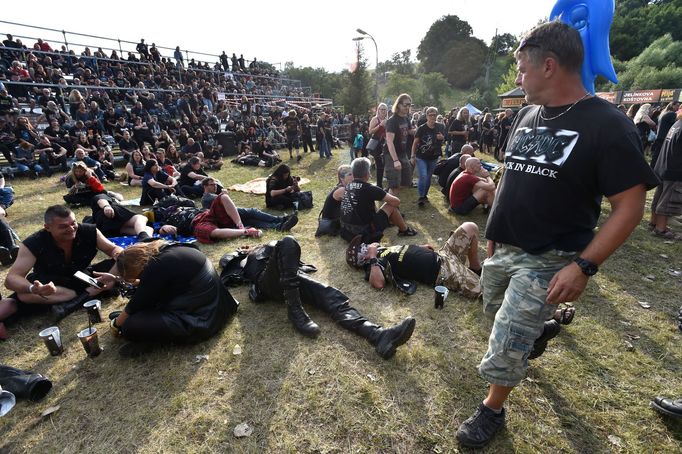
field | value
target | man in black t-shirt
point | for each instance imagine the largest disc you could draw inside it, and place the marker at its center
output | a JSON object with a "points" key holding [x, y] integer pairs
{"points": [[665, 121], [358, 211], [455, 264], [43, 277], [565, 151], [292, 126]]}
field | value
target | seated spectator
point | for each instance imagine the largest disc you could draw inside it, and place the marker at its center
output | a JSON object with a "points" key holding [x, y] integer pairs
{"points": [[179, 297], [53, 112], [330, 216], [281, 190], [142, 134], [83, 185], [212, 188], [57, 134], [113, 219], [8, 238], [120, 128], [472, 187], [275, 273], [191, 175], [156, 184], [173, 155], [24, 132], [212, 157], [165, 163], [358, 211], [190, 149], [43, 274], [25, 160], [224, 220], [51, 154], [95, 166], [127, 145], [455, 173], [456, 265], [267, 155]]}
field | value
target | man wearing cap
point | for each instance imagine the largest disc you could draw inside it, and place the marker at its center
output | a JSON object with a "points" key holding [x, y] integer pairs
{"points": [[559, 158], [275, 272], [407, 263]]}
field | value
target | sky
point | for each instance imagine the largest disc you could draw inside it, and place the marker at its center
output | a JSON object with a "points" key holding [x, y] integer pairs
{"points": [[308, 33]]}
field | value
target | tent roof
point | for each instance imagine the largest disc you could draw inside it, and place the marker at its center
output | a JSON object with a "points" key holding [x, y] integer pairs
{"points": [[472, 109], [515, 93]]}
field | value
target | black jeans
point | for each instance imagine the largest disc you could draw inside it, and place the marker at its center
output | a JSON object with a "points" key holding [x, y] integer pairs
{"points": [[282, 273]]}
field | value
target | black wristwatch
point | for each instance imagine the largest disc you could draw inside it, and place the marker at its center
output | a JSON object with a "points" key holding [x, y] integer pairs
{"points": [[588, 268], [373, 261]]}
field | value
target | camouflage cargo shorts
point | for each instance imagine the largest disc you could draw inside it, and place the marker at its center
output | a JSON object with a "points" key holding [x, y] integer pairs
{"points": [[454, 270], [514, 293]]}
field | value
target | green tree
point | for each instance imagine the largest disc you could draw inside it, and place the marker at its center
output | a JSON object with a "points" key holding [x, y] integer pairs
{"points": [[328, 85], [504, 44], [462, 62], [658, 66], [508, 80], [433, 87], [356, 95], [442, 35], [397, 84], [637, 23]]}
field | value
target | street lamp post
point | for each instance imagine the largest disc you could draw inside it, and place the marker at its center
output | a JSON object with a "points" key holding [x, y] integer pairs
{"points": [[376, 53]]}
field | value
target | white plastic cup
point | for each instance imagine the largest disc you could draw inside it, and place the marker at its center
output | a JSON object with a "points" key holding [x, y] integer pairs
{"points": [[53, 340]]}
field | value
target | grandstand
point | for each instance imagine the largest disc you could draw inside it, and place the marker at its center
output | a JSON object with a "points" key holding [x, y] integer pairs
{"points": [[230, 102]]}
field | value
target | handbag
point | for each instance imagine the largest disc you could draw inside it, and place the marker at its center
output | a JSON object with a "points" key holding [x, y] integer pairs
{"points": [[326, 226], [372, 145], [305, 200]]}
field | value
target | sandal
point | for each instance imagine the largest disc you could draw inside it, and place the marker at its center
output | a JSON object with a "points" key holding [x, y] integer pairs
{"points": [[666, 234], [409, 231], [565, 315]]}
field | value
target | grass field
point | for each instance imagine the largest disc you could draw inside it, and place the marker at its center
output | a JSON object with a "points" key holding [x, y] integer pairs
{"points": [[588, 393]]}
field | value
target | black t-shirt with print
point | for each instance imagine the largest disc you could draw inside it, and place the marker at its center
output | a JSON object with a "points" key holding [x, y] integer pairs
{"points": [[357, 205], [557, 172], [411, 262], [292, 124], [400, 126], [429, 147]]}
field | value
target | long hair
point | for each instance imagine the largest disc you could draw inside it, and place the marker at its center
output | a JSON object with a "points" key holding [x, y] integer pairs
{"points": [[135, 258], [88, 173], [400, 99], [280, 171], [642, 113]]}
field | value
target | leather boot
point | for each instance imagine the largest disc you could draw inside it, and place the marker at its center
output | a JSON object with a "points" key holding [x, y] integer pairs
{"points": [[24, 384], [298, 315], [387, 340], [61, 310]]}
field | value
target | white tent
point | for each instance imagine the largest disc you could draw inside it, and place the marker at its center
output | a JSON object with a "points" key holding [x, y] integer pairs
{"points": [[472, 110]]}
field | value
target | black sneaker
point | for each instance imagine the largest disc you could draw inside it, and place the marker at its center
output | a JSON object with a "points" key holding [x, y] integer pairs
{"points": [[421, 201], [551, 329], [480, 428]]}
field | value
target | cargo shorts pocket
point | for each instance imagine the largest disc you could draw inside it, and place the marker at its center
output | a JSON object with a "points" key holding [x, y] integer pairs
{"points": [[519, 342]]}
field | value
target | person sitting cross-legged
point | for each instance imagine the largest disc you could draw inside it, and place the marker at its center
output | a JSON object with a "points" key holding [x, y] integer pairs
{"points": [[358, 212], [472, 188], [113, 219]]}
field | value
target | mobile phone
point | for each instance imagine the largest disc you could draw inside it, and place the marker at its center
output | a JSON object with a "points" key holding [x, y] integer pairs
{"points": [[87, 279]]}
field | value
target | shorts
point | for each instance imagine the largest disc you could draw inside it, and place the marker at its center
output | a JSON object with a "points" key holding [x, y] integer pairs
{"points": [[397, 178], [514, 292], [371, 233], [454, 272], [111, 227], [467, 206], [668, 199]]}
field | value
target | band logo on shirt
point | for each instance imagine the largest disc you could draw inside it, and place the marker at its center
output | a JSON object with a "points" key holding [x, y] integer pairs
{"points": [[542, 146]]}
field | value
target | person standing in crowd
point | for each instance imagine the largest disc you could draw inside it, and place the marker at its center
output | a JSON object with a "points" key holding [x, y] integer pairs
{"points": [[323, 130], [292, 126], [426, 149], [504, 126], [398, 129], [644, 124], [459, 130], [377, 130], [306, 136], [666, 202], [665, 121], [541, 243]]}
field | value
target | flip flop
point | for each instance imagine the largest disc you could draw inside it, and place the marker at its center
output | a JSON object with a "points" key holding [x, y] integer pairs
{"points": [[566, 315]]}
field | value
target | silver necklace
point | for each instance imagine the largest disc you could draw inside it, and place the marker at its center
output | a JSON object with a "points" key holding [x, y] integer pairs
{"points": [[565, 111]]}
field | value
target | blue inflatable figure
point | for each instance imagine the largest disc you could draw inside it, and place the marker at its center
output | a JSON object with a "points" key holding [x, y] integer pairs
{"points": [[592, 19]]}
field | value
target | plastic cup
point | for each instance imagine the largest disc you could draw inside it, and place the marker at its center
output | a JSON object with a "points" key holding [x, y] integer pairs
{"points": [[53, 340], [440, 292], [94, 311], [90, 341]]}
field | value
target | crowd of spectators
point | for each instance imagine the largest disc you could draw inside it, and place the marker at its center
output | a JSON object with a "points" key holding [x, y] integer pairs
{"points": [[96, 101]]}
